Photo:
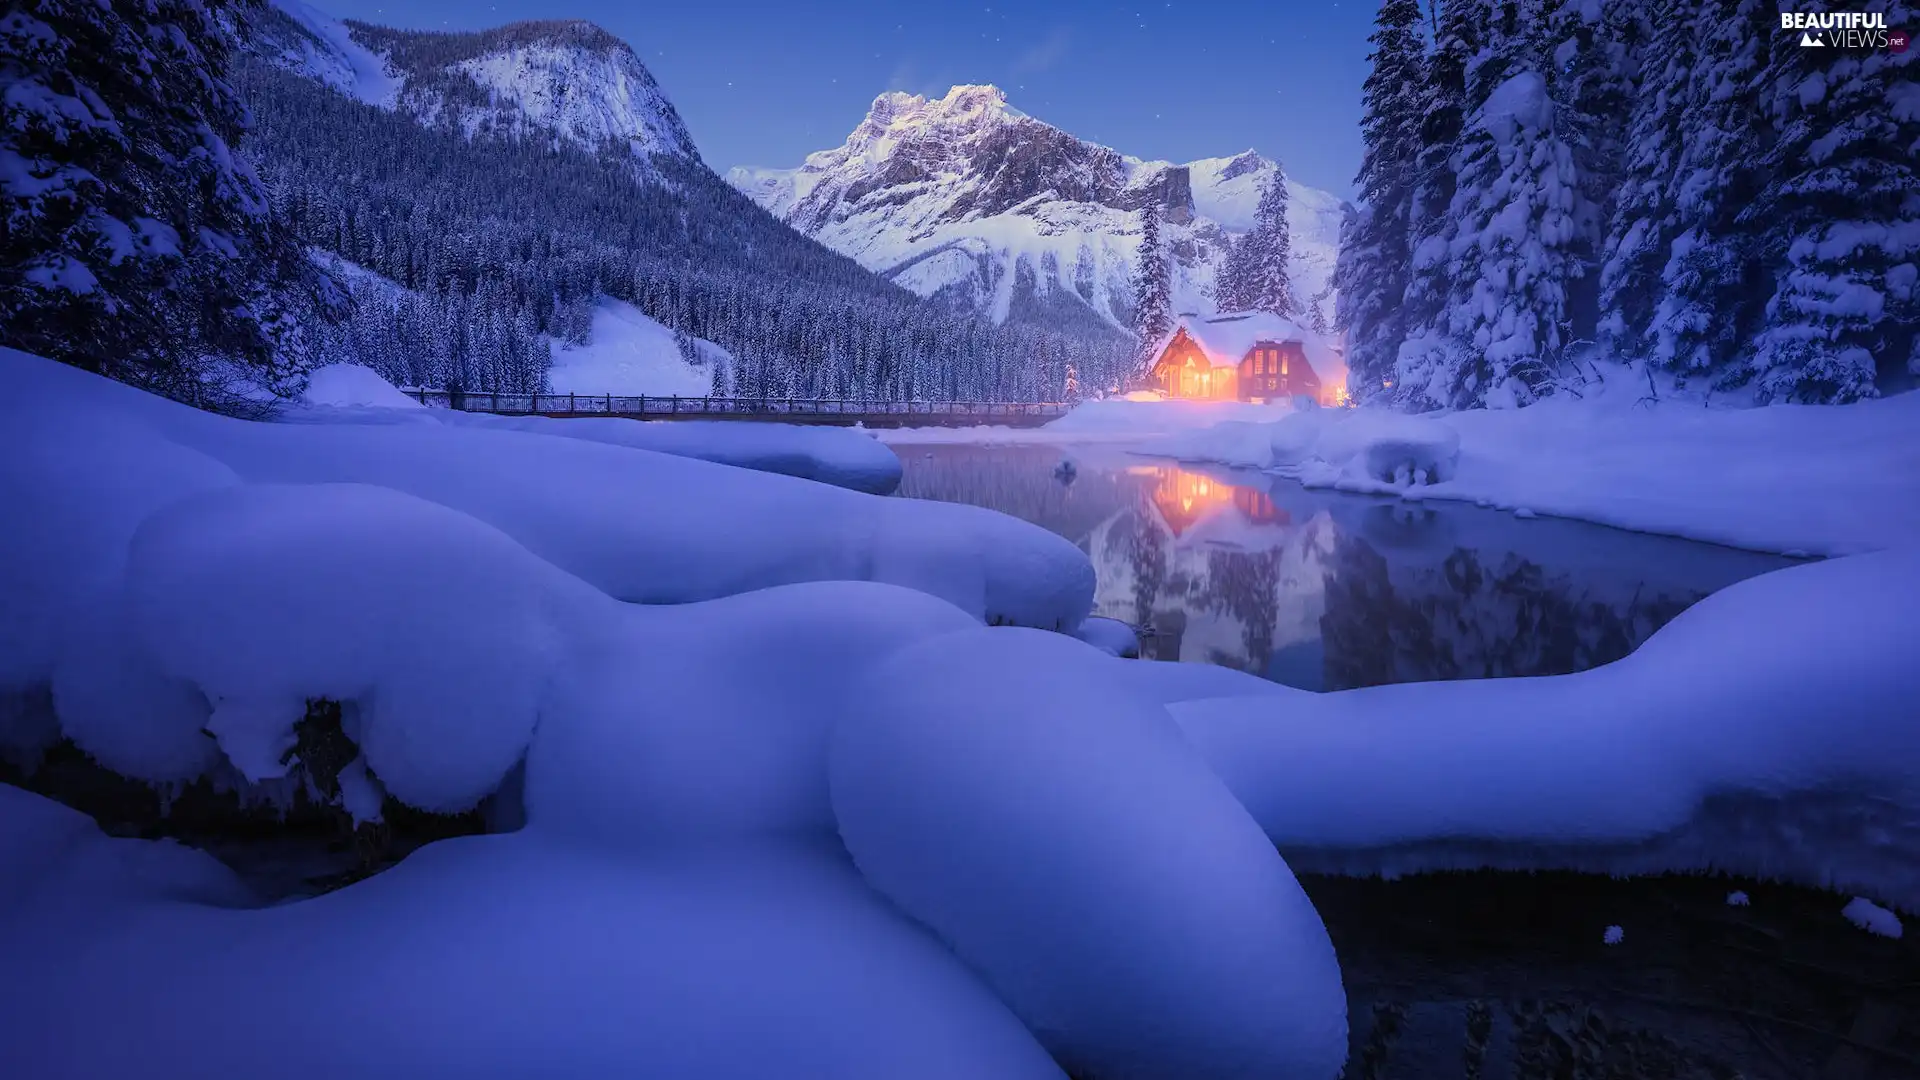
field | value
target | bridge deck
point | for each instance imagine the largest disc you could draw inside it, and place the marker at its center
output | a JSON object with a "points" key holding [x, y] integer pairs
{"points": [[778, 410]]}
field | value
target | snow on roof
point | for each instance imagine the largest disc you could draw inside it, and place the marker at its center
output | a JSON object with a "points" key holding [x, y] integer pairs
{"points": [[1226, 338]]}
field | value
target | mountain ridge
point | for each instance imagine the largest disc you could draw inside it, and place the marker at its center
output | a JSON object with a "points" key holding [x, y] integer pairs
{"points": [[568, 80], [509, 183], [967, 197]]}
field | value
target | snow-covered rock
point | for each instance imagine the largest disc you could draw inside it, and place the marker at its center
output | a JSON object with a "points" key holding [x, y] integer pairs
{"points": [[1872, 918], [967, 196], [445, 657], [1110, 636]]}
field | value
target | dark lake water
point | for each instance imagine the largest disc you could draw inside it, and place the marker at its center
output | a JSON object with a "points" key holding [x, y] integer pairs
{"points": [[1327, 591]]}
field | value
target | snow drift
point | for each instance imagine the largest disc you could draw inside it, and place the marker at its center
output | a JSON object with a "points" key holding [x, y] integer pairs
{"points": [[962, 788], [1765, 731], [641, 526], [350, 393], [840, 814], [681, 871]]}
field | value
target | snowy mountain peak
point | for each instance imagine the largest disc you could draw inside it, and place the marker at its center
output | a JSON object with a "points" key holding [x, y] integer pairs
{"points": [[1246, 161], [965, 100], [966, 197], [564, 79]]}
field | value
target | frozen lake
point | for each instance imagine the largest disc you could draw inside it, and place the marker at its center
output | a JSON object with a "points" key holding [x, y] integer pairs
{"points": [[1325, 591]]}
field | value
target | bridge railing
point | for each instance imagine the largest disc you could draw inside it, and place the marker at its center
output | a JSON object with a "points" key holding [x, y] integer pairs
{"points": [[671, 405]]}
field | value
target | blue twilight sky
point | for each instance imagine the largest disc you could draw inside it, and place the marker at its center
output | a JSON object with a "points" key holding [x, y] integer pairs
{"points": [[762, 83]]}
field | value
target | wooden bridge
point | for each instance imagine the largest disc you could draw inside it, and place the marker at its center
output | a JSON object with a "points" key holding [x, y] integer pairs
{"points": [[780, 410]]}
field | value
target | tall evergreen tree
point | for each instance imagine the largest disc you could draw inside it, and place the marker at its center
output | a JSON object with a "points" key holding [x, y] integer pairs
{"points": [[1841, 215], [1152, 286], [1254, 276], [1645, 218], [1513, 234], [1376, 245], [139, 244], [1712, 282], [1444, 107], [1592, 80]]}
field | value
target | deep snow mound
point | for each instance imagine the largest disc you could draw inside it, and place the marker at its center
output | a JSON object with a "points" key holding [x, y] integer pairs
{"points": [[353, 386], [963, 789], [439, 635], [639, 525], [1766, 731]]}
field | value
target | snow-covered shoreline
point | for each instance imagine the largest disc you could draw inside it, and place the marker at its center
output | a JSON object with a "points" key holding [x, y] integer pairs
{"points": [[1784, 479], [352, 394], [757, 731]]}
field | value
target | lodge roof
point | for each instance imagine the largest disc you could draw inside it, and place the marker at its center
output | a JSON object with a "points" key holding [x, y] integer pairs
{"points": [[1226, 338]]}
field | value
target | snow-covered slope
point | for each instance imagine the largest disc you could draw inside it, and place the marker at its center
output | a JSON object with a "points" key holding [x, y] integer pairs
{"points": [[630, 353], [310, 42], [969, 197], [567, 80]]}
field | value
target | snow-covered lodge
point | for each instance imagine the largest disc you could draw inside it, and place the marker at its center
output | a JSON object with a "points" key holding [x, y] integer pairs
{"points": [[1245, 356]]}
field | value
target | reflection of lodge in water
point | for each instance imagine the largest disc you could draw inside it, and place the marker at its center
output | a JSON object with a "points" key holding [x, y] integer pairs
{"points": [[1212, 571], [1183, 498]]}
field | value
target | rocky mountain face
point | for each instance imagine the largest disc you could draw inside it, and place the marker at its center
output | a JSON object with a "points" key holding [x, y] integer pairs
{"points": [[967, 198], [565, 80]]}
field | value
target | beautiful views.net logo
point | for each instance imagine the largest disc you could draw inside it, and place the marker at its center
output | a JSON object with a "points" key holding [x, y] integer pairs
{"points": [[1844, 29]]}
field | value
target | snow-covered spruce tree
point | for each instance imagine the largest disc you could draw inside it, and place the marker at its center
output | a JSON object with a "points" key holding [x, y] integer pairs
{"points": [[1595, 63], [1841, 215], [139, 244], [1375, 245], [1257, 264], [1711, 291], [1512, 246], [1443, 105], [1644, 219], [1229, 286], [1152, 287]]}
